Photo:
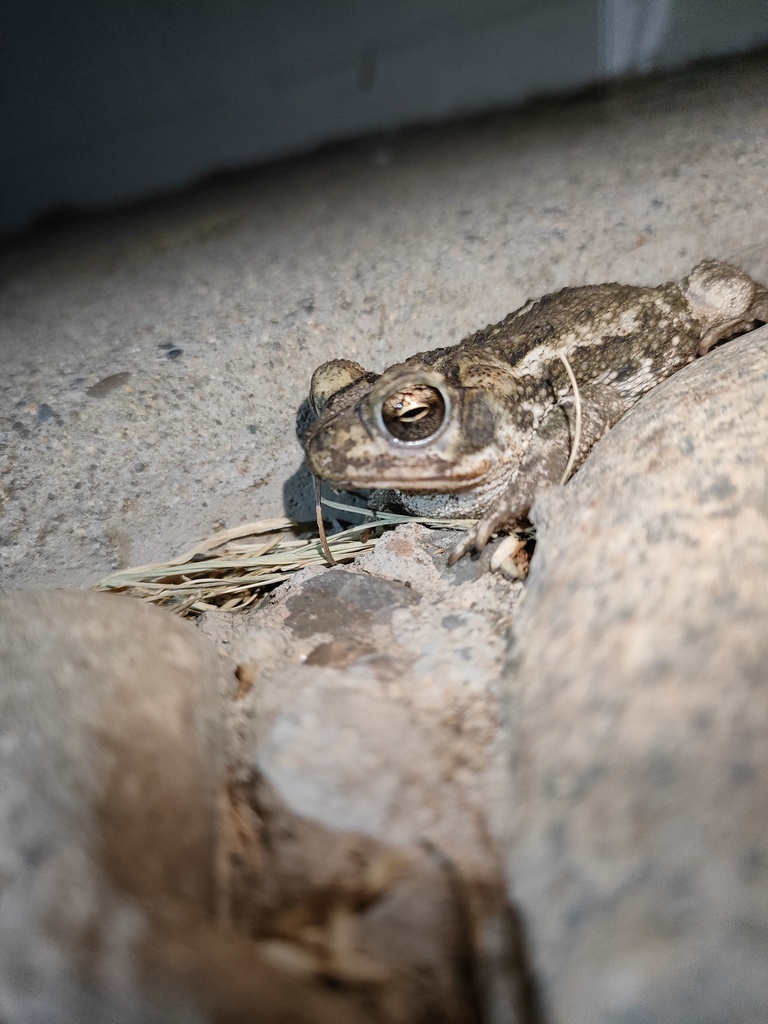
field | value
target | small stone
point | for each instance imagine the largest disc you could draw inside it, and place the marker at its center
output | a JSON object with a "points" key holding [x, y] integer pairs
{"points": [[108, 384], [45, 413]]}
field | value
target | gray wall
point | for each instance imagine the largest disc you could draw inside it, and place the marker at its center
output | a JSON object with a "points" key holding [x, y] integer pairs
{"points": [[107, 100]]}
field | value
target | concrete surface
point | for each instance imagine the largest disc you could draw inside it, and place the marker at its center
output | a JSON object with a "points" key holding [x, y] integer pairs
{"points": [[154, 360], [102, 101]]}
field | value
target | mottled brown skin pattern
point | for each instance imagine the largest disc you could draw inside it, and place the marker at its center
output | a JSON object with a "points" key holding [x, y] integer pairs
{"points": [[475, 429]]}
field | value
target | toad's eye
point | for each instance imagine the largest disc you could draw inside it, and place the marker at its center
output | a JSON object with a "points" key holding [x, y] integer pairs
{"points": [[413, 413]]}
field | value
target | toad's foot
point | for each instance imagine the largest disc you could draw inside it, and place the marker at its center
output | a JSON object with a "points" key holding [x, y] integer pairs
{"points": [[476, 538], [512, 557]]}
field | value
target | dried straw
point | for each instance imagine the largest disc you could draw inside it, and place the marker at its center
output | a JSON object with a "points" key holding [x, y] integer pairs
{"points": [[231, 569]]}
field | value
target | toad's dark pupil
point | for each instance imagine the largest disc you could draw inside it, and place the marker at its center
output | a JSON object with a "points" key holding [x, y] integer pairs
{"points": [[414, 413]]}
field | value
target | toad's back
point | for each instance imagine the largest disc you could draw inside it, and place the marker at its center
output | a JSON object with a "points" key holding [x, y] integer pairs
{"points": [[629, 337]]}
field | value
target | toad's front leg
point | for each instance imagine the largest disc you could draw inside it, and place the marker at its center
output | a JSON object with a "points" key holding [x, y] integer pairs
{"points": [[547, 460]]}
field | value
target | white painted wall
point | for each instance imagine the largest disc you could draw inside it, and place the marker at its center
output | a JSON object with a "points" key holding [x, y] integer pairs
{"points": [[102, 101]]}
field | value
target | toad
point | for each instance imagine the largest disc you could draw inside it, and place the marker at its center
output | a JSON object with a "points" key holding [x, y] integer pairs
{"points": [[475, 429]]}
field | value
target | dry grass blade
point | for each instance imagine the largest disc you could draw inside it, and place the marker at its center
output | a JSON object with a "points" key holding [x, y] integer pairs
{"points": [[231, 569], [577, 407]]}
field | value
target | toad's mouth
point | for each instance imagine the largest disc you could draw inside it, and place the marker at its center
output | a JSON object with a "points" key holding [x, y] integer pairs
{"points": [[448, 480], [350, 460]]}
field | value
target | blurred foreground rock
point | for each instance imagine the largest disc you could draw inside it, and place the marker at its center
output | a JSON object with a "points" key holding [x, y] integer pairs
{"points": [[291, 842], [639, 713], [369, 704], [111, 780]]}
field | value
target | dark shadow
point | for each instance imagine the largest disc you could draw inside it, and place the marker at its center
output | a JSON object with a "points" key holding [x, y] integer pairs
{"points": [[527, 995], [299, 488]]}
